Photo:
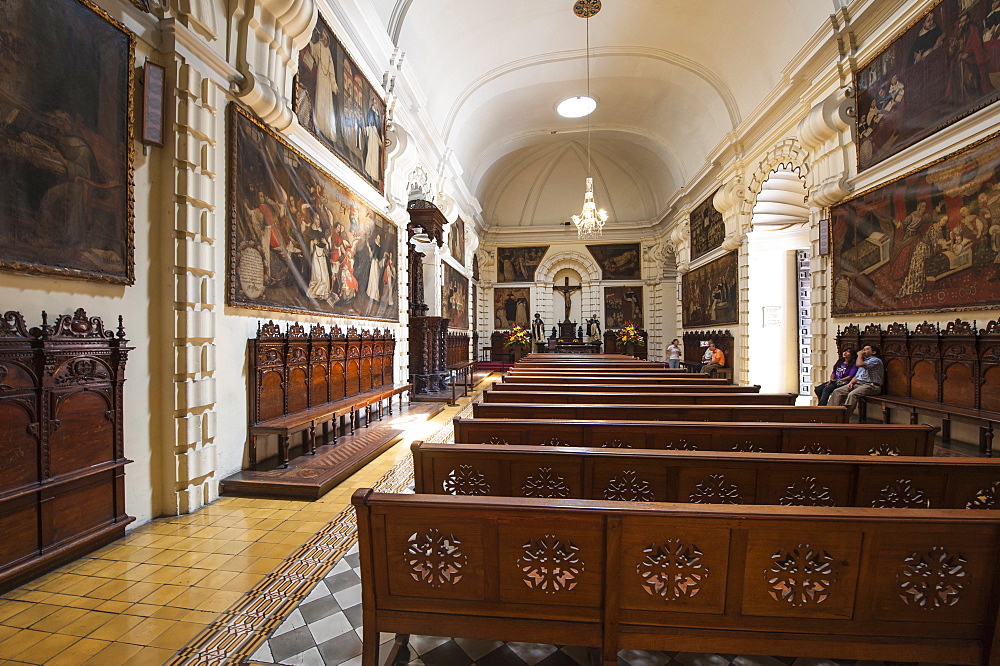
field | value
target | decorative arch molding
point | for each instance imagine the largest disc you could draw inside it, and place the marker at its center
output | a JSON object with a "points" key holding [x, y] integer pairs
{"points": [[584, 265], [788, 153]]}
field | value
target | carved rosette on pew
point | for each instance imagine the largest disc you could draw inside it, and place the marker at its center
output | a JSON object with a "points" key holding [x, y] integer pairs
{"points": [[62, 489]]}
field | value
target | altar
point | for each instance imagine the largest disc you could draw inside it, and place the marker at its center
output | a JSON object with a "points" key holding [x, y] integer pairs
{"points": [[577, 347]]}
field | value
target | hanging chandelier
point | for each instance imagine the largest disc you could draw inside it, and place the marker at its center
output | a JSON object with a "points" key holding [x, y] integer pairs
{"points": [[590, 222]]}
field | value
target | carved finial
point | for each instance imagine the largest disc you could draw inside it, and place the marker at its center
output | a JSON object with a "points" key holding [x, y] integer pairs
{"points": [[121, 327]]}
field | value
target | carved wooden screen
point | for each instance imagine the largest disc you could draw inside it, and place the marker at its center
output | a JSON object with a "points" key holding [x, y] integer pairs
{"points": [[693, 351], [353, 362], [297, 386], [319, 366], [989, 366], [389, 354], [269, 373], [959, 363], [925, 362], [365, 362]]}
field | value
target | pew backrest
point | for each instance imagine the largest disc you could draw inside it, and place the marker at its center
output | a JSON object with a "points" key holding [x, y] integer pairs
{"points": [[582, 398], [679, 380], [688, 412], [818, 438], [627, 388]]}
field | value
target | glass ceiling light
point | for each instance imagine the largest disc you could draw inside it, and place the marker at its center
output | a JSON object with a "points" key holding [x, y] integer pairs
{"points": [[590, 222], [576, 107]]}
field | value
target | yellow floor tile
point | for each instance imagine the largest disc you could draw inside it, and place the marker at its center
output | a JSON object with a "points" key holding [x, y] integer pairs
{"points": [[86, 624], [78, 653], [116, 628], [147, 630], [47, 648], [150, 655], [219, 601], [115, 653], [177, 636], [112, 606], [136, 592], [30, 615], [55, 621], [110, 589], [216, 580], [20, 641], [163, 595]]}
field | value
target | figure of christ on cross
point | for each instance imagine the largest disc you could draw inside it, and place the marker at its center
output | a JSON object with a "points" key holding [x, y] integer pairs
{"points": [[567, 292]]}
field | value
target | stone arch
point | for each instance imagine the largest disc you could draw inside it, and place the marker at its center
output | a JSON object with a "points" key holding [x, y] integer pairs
{"points": [[585, 265], [788, 153]]}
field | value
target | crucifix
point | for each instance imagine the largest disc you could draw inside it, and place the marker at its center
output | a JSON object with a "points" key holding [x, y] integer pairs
{"points": [[567, 292]]}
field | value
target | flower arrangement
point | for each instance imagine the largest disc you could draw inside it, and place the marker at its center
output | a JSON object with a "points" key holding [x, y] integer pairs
{"points": [[629, 335], [518, 336]]}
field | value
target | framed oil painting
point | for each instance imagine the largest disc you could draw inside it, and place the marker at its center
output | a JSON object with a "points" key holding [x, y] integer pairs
{"points": [[941, 69], [708, 229], [619, 261], [299, 241], [622, 304], [927, 242], [455, 298], [518, 264], [336, 104], [511, 305], [710, 294], [456, 241], [66, 84]]}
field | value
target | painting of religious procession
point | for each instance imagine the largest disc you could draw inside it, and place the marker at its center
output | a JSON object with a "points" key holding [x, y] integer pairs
{"points": [[511, 305], [944, 67], [518, 264], [710, 294], [65, 140], [455, 298], [456, 240], [708, 230], [619, 261], [927, 242], [299, 240], [337, 104], [622, 304]]}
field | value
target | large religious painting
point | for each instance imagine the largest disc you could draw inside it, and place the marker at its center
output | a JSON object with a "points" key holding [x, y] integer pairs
{"points": [[710, 294], [621, 305], [518, 264], [337, 104], [511, 305], [299, 240], [456, 241], [708, 229], [619, 261], [929, 241], [944, 67], [455, 298], [65, 140]]}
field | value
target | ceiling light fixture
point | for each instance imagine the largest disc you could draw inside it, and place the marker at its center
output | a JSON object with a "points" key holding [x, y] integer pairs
{"points": [[590, 222], [576, 107]]}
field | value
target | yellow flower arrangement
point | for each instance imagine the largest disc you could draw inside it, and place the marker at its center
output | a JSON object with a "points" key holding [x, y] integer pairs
{"points": [[629, 335], [518, 335]]}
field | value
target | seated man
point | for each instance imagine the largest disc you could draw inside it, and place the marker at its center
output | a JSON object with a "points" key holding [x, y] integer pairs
{"points": [[867, 381], [714, 360]]}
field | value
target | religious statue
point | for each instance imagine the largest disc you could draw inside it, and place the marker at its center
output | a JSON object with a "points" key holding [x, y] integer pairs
{"points": [[538, 328], [594, 329]]}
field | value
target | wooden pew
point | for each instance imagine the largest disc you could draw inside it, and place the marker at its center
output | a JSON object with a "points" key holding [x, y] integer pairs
{"points": [[706, 477], [873, 584], [584, 397], [688, 412], [626, 388], [819, 438], [614, 370], [680, 380]]}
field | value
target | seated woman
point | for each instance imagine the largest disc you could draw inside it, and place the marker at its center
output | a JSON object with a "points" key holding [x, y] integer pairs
{"points": [[842, 372]]}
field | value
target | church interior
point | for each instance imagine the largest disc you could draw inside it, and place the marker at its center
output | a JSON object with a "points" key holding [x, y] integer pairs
{"points": [[278, 275]]}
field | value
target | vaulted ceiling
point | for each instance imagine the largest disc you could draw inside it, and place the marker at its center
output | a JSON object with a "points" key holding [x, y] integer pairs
{"points": [[672, 79]]}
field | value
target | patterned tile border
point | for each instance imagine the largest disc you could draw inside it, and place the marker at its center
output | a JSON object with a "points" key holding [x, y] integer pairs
{"points": [[239, 631]]}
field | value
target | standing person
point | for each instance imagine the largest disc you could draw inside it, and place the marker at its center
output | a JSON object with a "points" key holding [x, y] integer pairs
{"points": [[716, 360], [867, 381], [674, 354], [843, 372]]}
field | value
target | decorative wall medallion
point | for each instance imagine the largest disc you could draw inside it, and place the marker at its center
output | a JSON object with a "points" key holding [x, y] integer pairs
{"points": [[815, 448], [748, 447], [807, 491], [715, 490], [900, 494], [545, 483], [628, 488], [883, 449], [673, 570], [554, 441], [496, 441], [616, 444], [465, 481], [987, 498], [681, 445], [550, 565], [83, 370], [932, 579], [801, 576], [434, 558]]}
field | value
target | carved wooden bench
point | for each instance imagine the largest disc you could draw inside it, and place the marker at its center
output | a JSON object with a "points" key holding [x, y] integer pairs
{"points": [[706, 477], [582, 397], [627, 388], [644, 412], [818, 438], [879, 584], [679, 380], [983, 418]]}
